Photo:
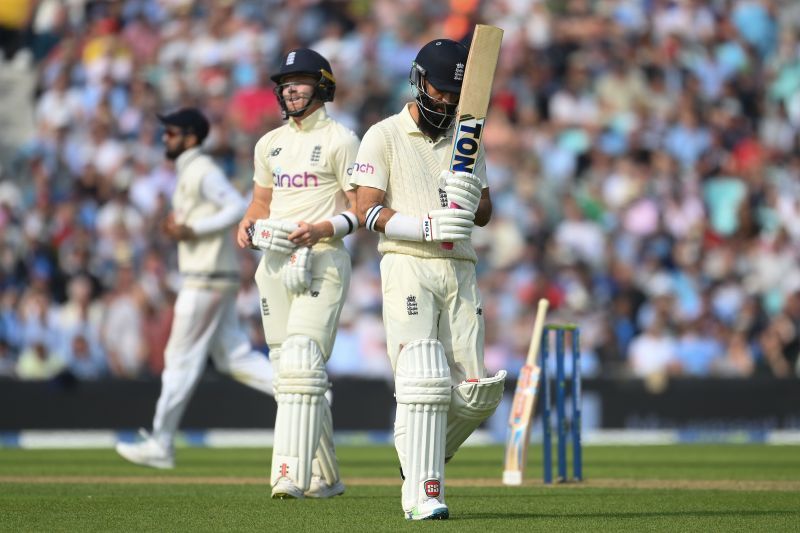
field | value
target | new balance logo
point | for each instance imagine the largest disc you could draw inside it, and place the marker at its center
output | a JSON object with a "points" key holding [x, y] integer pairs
{"points": [[275, 152], [264, 307]]}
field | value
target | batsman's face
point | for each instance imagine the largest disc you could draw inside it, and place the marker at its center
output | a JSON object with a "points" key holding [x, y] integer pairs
{"points": [[297, 90]]}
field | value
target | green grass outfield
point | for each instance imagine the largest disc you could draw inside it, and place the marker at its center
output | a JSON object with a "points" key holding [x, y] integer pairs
{"points": [[651, 488]]}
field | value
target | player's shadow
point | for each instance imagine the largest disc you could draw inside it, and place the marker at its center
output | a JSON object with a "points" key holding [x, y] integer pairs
{"points": [[661, 514]]}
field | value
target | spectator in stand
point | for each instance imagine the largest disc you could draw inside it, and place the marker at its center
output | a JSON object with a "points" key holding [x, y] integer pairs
{"points": [[653, 352], [84, 358], [37, 362], [122, 326], [658, 117], [8, 362]]}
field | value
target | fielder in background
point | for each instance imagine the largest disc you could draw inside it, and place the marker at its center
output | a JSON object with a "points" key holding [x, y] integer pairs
{"points": [[432, 310], [300, 200], [206, 208]]}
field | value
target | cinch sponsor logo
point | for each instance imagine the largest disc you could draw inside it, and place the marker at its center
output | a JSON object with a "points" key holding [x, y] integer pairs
{"points": [[298, 180], [364, 168]]}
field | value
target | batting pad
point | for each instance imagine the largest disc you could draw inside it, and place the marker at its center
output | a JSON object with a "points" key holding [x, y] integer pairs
{"points": [[471, 403], [324, 463], [422, 388], [301, 384]]}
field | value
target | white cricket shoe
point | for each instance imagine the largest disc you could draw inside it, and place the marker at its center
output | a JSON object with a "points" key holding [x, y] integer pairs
{"points": [[147, 452], [321, 489], [285, 489], [430, 509]]}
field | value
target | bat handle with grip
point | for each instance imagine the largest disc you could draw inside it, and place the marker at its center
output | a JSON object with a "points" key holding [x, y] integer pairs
{"points": [[449, 245]]}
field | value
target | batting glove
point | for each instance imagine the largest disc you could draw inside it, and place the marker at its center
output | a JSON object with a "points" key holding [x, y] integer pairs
{"points": [[296, 273], [273, 235], [462, 188], [448, 225]]}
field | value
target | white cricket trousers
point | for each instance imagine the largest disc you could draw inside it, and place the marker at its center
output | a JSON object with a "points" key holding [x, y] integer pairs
{"points": [[434, 298], [205, 322]]}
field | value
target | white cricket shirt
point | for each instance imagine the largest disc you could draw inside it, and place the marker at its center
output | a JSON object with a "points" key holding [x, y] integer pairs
{"points": [[396, 157], [307, 166]]}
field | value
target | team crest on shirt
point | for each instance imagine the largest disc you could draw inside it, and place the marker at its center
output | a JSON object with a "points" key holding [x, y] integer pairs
{"points": [[411, 305], [315, 154], [442, 198]]}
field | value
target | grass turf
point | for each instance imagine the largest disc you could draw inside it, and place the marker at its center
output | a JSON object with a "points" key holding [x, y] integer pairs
{"points": [[33, 505]]}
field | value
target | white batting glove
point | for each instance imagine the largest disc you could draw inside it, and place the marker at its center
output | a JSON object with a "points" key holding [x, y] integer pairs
{"points": [[273, 235], [296, 273], [448, 225], [462, 188]]}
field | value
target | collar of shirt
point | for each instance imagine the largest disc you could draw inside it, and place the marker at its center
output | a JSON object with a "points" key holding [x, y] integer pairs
{"points": [[186, 157], [411, 128], [315, 120]]}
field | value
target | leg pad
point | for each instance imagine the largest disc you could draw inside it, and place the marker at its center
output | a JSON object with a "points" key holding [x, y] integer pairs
{"points": [[472, 402], [422, 388]]}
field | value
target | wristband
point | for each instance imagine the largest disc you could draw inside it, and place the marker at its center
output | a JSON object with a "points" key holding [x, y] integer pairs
{"points": [[372, 216], [404, 228], [343, 224]]}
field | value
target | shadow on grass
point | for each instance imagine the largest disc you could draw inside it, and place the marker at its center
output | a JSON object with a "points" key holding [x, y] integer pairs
{"points": [[706, 464], [661, 514]]}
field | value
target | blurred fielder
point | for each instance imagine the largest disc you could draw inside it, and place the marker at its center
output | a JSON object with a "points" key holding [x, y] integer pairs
{"points": [[432, 310], [205, 208], [300, 200]]}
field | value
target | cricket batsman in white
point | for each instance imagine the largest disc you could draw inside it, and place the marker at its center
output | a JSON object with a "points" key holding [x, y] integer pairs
{"points": [[298, 216], [206, 208], [432, 310]]}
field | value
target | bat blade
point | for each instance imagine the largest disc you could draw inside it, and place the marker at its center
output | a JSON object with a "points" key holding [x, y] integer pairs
{"points": [[473, 104], [522, 408]]}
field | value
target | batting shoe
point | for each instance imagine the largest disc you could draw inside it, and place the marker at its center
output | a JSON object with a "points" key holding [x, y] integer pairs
{"points": [[430, 509], [285, 489], [320, 488], [147, 452]]}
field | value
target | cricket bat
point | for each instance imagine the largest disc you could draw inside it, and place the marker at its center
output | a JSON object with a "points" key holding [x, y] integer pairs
{"points": [[473, 104], [519, 423]]}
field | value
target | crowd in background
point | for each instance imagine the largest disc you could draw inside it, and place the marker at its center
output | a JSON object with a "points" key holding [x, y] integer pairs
{"points": [[642, 157]]}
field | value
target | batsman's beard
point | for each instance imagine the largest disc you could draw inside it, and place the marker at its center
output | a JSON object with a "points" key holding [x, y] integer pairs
{"points": [[437, 116], [173, 153]]}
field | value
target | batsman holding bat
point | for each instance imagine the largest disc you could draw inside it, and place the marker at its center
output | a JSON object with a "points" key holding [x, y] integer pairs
{"points": [[205, 209], [298, 216], [432, 310]]}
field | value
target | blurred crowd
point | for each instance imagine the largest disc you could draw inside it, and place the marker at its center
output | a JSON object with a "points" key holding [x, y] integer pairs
{"points": [[642, 156]]}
